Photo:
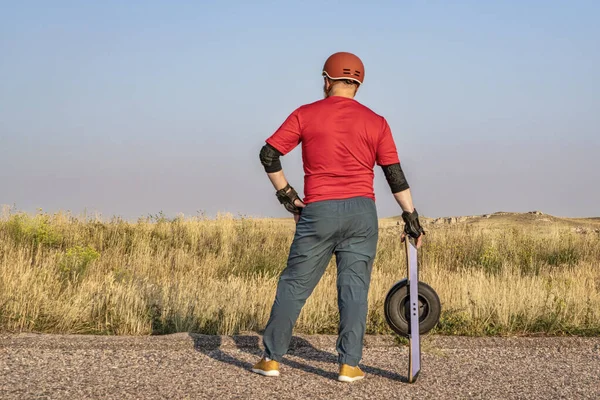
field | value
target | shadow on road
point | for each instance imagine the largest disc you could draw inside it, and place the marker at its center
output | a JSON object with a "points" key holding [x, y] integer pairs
{"points": [[212, 348], [299, 347]]}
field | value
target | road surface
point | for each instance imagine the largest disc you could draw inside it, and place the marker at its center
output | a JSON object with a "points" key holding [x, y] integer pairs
{"points": [[195, 366]]}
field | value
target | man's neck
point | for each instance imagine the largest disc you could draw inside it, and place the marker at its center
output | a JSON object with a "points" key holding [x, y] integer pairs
{"points": [[341, 93]]}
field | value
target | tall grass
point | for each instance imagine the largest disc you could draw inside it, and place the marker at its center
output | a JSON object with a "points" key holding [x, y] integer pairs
{"points": [[218, 276]]}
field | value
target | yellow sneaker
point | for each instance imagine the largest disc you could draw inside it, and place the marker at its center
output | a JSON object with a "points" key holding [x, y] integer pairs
{"points": [[266, 368], [350, 374]]}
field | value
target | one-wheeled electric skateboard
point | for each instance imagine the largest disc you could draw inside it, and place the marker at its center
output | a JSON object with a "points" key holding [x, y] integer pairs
{"points": [[412, 308]]}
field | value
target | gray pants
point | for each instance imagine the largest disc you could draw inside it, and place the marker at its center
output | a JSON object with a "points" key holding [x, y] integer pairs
{"points": [[347, 228]]}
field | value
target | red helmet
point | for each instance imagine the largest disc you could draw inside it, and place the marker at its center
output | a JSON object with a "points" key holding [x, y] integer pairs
{"points": [[344, 66]]}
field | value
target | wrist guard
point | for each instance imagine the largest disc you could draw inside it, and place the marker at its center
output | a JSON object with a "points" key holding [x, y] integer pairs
{"points": [[412, 226], [287, 196]]}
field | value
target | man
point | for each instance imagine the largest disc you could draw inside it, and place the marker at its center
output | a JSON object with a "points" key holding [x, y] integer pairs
{"points": [[341, 142]]}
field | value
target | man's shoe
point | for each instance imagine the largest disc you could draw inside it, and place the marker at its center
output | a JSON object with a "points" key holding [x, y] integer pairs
{"points": [[266, 368], [350, 374]]}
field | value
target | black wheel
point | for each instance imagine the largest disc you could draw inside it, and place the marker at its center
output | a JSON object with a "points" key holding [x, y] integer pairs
{"points": [[397, 308]]}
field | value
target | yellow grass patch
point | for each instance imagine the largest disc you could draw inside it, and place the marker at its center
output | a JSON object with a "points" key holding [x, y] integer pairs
{"points": [[64, 274]]}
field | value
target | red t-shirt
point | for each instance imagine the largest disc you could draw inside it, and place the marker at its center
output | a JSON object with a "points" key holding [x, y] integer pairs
{"points": [[341, 141]]}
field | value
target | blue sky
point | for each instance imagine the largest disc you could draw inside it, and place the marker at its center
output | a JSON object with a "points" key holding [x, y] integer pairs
{"points": [[130, 108]]}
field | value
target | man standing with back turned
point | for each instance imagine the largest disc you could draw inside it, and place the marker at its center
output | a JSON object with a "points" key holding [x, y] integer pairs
{"points": [[341, 142]]}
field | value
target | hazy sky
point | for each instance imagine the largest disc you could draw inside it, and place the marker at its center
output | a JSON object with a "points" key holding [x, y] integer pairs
{"points": [[130, 108]]}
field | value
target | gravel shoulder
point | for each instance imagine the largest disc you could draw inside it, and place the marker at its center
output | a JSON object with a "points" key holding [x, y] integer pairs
{"points": [[35, 366]]}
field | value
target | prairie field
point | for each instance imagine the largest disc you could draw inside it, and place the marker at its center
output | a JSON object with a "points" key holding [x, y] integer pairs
{"points": [[507, 274]]}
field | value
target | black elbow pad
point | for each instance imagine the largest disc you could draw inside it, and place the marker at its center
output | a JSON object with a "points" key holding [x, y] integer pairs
{"points": [[269, 158], [395, 177]]}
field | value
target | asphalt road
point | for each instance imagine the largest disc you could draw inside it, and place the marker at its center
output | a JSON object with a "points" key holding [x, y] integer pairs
{"points": [[212, 367]]}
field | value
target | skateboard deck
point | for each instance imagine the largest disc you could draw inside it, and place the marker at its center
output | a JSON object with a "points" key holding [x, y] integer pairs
{"points": [[414, 339]]}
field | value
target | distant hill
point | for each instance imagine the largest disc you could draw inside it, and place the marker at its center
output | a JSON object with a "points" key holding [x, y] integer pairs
{"points": [[501, 219]]}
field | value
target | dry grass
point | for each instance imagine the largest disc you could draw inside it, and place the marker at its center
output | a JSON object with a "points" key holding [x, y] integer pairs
{"points": [[64, 274]]}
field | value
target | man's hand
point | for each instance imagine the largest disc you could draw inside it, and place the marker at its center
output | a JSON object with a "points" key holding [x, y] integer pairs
{"points": [[412, 227], [300, 205], [418, 243], [290, 199]]}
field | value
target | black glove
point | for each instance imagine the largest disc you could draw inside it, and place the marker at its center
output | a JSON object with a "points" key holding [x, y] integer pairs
{"points": [[287, 196], [412, 226]]}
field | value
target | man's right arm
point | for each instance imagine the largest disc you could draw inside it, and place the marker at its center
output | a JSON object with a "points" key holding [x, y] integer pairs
{"points": [[401, 190], [404, 199], [387, 158]]}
